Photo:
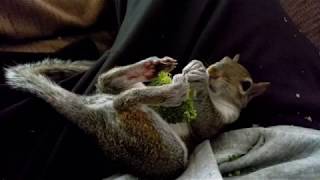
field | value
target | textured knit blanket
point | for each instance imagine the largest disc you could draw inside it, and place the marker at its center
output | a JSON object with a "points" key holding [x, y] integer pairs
{"points": [[279, 152]]}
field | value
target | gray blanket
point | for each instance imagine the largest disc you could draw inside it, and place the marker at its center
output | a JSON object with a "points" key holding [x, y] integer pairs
{"points": [[279, 152]]}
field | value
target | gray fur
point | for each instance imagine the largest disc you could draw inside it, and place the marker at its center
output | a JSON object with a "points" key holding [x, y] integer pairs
{"points": [[149, 147]]}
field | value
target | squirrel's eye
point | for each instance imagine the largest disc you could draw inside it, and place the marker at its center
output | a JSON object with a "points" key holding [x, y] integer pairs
{"points": [[245, 85]]}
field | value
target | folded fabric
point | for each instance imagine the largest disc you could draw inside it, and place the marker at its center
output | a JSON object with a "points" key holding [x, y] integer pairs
{"points": [[279, 152]]}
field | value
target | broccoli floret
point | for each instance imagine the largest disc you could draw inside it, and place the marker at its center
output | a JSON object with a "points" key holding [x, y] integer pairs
{"points": [[162, 79], [186, 112]]}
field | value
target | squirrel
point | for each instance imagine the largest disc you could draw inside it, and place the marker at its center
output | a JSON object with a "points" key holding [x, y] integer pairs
{"points": [[118, 114]]}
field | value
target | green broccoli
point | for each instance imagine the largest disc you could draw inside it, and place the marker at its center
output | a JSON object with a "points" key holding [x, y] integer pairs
{"points": [[186, 112]]}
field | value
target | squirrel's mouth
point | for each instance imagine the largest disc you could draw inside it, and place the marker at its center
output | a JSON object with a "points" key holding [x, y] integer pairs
{"points": [[212, 89], [210, 82]]}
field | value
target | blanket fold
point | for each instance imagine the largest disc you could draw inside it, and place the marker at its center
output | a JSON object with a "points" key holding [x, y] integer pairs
{"points": [[279, 152]]}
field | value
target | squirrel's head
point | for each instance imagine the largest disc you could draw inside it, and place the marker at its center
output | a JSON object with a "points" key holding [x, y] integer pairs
{"points": [[232, 82]]}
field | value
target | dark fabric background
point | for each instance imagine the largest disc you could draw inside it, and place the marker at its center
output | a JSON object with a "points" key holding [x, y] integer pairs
{"points": [[37, 143]]}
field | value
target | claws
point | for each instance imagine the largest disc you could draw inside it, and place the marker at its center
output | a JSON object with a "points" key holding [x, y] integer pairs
{"points": [[153, 65], [195, 71], [166, 64], [194, 65]]}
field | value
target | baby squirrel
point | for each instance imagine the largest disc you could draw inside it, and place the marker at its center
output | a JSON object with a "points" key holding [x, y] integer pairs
{"points": [[118, 115]]}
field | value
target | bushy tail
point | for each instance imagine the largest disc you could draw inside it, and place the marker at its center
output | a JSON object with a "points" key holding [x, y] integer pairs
{"points": [[32, 77], [58, 69]]}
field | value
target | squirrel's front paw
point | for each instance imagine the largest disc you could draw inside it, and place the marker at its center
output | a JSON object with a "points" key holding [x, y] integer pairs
{"points": [[196, 73], [196, 76], [177, 92], [194, 65]]}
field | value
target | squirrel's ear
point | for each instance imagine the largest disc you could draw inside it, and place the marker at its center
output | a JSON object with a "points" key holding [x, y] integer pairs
{"points": [[257, 89], [236, 58]]}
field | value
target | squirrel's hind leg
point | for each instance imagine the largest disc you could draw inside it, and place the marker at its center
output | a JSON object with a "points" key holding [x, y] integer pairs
{"points": [[153, 148], [122, 78]]}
